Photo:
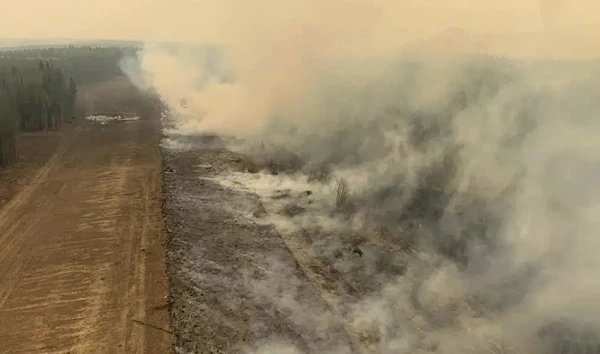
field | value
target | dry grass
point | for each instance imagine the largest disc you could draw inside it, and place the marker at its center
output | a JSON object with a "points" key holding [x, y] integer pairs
{"points": [[342, 193]]}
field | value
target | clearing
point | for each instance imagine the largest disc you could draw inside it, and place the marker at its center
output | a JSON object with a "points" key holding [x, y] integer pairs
{"points": [[82, 242]]}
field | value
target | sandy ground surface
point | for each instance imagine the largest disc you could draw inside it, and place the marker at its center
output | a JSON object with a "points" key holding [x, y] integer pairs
{"points": [[82, 243], [34, 150]]}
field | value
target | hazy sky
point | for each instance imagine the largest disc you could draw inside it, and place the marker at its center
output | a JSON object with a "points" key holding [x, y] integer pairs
{"points": [[173, 19], [388, 24]]}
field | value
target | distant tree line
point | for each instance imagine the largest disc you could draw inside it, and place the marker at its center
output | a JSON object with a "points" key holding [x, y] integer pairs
{"points": [[85, 64], [34, 96], [38, 90]]}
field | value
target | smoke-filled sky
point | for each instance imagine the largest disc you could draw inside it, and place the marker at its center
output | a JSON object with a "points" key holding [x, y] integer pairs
{"points": [[183, 19], [400, 21]]}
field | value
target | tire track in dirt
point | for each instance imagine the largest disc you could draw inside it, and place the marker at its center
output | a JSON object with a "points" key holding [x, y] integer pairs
{"points": [[13, 216], [76, 273]]}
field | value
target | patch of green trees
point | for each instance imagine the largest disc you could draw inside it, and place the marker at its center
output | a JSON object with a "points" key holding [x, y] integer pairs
{"points": [[86, 64], [34, 96], [38, 87]]}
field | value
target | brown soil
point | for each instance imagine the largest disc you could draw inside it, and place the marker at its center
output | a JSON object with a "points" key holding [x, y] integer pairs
{"points": [[82, 243], [34, 151]]}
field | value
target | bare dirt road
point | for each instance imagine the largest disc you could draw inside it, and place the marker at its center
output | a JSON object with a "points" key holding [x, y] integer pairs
{"points": [[82, 247]]}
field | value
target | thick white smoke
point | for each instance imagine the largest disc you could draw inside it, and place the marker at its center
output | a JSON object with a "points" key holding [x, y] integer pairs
{"points": [[495, 158], [521, 138]]}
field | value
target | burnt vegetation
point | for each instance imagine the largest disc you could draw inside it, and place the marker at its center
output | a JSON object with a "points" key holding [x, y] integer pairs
{"points": [[429, 212]]}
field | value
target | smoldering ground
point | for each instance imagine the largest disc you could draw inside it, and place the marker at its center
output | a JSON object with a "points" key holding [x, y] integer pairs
{"points": [[481, 197], [439, 205]]}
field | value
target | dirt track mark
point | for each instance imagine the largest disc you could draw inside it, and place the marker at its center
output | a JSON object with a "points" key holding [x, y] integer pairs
{"points": [[12, 217], [83, 248]]}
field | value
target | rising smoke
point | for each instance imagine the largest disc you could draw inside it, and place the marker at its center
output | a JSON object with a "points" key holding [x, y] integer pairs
{"points": [[485, 165]]}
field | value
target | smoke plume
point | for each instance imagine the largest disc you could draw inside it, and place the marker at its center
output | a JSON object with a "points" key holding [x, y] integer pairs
{"points": [[485, 166]]}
